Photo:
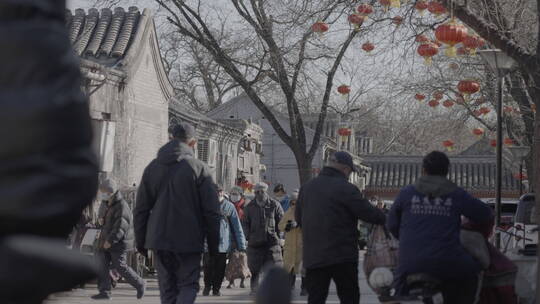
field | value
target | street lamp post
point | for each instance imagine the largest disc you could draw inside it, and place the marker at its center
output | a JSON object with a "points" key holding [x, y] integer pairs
{"points": [[519, 153], [501, 64]]}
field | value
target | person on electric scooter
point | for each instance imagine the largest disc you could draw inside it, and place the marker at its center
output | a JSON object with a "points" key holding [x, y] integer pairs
{"points": [[426, 218]]}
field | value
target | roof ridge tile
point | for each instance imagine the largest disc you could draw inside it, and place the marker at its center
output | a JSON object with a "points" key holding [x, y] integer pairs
{"points": [[114, 30], [99, 33]]}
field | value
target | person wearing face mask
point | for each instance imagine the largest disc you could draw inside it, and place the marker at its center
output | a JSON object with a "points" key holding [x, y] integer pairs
{"points": [[230, 231], [328, 210], [262, 216], [115, 240], [237, 267]]}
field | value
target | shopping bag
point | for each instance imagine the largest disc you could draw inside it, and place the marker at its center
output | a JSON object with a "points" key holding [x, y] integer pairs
{"points": [[381, 252]]}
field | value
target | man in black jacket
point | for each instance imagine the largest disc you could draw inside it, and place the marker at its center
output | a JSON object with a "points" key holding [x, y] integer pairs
{"points": [[328, 210], [261, 218], [115, 240], [177, 207]]}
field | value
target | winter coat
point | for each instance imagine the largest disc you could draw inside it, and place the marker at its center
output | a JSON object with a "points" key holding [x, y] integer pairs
{"points": [[261, 223], [117, 225], [328, 210], [426, 218], [177, 203], [240, 208], [292, 251], [285, 203], [230, 229]]}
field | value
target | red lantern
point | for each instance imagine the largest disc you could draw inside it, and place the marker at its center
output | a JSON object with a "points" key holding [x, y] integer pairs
{"points": [[368, 47], [473, 42], [344, 89], [520, 176], [344, 131], [357, 20], [449, 145], [508, 109], [320, 27], [421, 39], [468, 87], [428, 50], [451, 33], [397, 20], [484, 110], [386, 4], [448, 103], [364, 9], [419, 97], [508, 141], [421, 6], [438, 95], [493, 143], [433, 103], [436, 8], [478, 132]]}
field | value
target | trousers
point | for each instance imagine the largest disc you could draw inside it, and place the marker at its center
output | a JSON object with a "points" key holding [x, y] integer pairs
{"points": [[178, 276], [260, 257], [214, 270], [116, 259], [345, 276]]}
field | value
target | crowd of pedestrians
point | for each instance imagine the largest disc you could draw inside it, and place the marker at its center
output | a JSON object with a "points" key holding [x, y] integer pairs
{"points": [[184, 218]]}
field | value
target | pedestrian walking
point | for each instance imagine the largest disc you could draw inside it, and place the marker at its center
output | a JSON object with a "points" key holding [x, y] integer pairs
{"points": [[262, 216], [281, 196], [230, 231], [115, 240], [177, 208], [292, 251], [237, 268], [328, 210]]}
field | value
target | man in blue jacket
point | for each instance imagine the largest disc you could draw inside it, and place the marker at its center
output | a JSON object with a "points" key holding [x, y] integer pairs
{"points": [[426, 218]]}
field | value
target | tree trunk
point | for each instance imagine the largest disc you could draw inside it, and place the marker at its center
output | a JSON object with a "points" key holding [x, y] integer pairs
{"points": [[305, 166]]}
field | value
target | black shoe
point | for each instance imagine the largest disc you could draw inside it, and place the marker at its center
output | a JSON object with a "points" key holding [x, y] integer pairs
{"points": [[216, 293], [206, 291], [140, 292], [242, 285], [303, 293], [229, 286], [102, 296]]}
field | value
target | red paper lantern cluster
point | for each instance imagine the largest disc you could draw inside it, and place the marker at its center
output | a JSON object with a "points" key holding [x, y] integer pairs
{"points": [[356, 19], [436, 8], [433, 103], [508, 141], [468, 87], [451, 33], [428, 50], [419, 97], [421, 6], [344, 89], [364, 9], [493, 143], [368, 47], [478, 131], [448, 144], [344, 131], [473, 42], [448, 103], [320, 27]]}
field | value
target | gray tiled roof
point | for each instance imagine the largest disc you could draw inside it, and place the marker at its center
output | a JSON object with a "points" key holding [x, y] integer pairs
{"points": [[469, 172], [102, 36]]}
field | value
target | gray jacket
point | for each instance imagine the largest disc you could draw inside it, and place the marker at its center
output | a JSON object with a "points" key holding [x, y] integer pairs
{"points": [[177, 204], [261, 223]]}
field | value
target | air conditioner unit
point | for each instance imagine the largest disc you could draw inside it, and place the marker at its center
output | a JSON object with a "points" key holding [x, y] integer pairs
{"points": [[103, 143]]}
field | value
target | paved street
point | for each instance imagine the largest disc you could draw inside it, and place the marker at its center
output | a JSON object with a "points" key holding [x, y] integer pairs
{"points": [[125, 294]]}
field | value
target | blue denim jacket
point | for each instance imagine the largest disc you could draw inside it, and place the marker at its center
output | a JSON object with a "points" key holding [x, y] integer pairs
{"points": [[230, 229]]}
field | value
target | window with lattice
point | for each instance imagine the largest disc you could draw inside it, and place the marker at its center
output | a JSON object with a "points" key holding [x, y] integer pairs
{"points": [[202, 149]]}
